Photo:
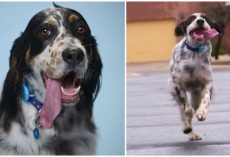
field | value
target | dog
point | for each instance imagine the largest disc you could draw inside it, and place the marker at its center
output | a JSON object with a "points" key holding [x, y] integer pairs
{"points": [[190, 68], [53, 80]]}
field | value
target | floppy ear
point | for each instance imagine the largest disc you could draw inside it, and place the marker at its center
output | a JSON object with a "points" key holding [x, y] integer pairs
{"points": [[97, 74], [180, 29], [19, 54], [10, 102], [93, 78], [217, 27], [213, 24], [91, 84]]}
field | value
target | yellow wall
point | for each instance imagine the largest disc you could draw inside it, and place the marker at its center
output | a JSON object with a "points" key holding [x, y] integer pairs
{"points": [[150, 40]]}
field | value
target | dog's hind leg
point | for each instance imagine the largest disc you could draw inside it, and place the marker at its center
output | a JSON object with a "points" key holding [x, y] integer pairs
{"points": [[186, 111], [201, 112]]}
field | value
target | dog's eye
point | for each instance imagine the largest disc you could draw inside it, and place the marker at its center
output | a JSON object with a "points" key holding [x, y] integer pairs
{"points": [[81, 29], [45, 32]]}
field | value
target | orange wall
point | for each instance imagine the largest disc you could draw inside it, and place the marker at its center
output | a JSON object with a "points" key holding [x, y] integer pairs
{"points": [[150, 40]]}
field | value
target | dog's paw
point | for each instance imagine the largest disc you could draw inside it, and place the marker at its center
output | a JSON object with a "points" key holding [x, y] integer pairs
{"points": [[194, 137], [187, 130], [201, 114]]}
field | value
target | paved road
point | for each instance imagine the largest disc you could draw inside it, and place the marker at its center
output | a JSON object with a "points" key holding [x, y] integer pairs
{"points": [[153, 122]]}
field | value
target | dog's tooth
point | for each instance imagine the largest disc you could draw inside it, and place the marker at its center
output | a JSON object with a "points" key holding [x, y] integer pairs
{"points": [[70, 94], [78, 89], [63, 91]]}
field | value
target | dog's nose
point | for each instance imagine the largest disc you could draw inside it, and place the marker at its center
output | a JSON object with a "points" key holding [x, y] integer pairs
{"points": [[73, 57], [200, 22]]}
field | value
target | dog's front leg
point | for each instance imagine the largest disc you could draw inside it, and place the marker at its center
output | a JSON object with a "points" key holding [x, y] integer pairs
{"points": [[186, 111], [201, 112]]}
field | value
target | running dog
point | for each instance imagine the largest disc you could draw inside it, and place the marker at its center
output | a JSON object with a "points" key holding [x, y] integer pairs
{"points": [[191, 72]]}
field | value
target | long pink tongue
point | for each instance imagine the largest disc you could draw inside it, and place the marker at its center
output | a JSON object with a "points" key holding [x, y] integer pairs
{"points": [[52, 105], [210, 33]]}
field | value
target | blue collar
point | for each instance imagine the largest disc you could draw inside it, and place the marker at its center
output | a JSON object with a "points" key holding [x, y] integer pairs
{"points": [[199, 48], [29, 96]]}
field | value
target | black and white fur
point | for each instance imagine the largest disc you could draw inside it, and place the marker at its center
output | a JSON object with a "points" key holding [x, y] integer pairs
{"points": [[74, 132], [191, 73]]}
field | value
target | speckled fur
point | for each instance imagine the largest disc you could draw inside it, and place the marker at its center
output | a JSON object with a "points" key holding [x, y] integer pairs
{"points": [[191, 76], [74, 132]]}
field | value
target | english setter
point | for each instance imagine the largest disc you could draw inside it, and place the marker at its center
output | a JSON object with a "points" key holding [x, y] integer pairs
{"points": [[191, 72], [49, 91]]}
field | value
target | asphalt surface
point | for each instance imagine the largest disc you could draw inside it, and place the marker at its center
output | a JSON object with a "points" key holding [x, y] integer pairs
{"points": [[153, 121]]}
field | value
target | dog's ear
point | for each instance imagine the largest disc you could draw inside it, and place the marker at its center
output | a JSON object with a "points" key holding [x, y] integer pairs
{"points": [[11, 93], [19, 54], [217, 27], [92, 81], [180, 29], [97, 74], [213, 24]]}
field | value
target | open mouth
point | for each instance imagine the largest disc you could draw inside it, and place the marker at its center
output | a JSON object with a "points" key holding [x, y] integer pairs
{"points": [[58, 91], [70, 86], [200, 34]]}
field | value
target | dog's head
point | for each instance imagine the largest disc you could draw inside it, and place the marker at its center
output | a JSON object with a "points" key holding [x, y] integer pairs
{"points": [[197, 27], [57, 55]]}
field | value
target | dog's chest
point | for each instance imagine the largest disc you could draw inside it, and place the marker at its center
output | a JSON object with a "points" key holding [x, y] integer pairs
{"points": [[21, 141], [193, 63], [21, 135], [66, 138], [192, 67]]}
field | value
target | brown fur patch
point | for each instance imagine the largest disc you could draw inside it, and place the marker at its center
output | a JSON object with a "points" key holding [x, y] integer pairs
{"points": [[55, 54], [56, 8], [73, 18], [50, 69], [14, 66], [27, 59], [52, 21], [14, 62], [54, 58], [58, 61], [52, 61], [52, 54]]}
